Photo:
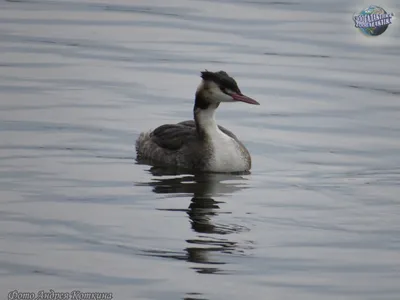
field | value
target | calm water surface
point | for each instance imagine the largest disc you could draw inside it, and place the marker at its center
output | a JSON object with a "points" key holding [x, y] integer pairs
{"points": [[318, 217]]}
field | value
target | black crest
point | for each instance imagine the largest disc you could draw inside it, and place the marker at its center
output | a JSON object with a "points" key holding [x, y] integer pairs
{"points": [[222, 79]]}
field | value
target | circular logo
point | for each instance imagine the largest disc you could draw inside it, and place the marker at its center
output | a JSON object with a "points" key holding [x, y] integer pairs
{"points": [[373, 21]]}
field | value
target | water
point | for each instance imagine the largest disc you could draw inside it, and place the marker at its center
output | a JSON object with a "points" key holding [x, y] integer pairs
{"points": [[318, 217]]}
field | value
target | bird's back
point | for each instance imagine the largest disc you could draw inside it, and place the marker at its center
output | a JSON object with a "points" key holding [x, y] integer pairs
{"points": [[172, 145]]}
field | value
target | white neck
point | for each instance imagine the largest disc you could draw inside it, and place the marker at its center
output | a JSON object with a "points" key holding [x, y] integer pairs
{"points": [[205, 119], [226, 153]]}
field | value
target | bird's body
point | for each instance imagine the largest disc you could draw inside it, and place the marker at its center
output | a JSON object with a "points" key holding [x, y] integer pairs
{"points": [[178, 145], [200, 145]]}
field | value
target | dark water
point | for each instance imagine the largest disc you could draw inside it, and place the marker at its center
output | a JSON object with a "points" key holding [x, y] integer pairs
{"points": [[318, 218]]}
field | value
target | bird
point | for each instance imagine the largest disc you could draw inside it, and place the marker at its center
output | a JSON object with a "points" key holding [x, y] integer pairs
{"points": [[200, 145]]}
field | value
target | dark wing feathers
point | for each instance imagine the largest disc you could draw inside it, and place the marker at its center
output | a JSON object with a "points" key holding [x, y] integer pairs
{"points": [[174, 136]]}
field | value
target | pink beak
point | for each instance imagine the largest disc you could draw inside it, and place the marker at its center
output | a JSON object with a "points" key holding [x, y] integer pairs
{"points": [[243, 98]]}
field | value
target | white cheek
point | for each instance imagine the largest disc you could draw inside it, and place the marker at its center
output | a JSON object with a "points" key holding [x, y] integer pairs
{"points": [[218, 96]]}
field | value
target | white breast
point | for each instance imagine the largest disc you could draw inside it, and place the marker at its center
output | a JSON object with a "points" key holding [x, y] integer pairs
{"points": [[227, 156]]}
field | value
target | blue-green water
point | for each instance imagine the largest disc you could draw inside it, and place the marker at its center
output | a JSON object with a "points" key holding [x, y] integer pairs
{"points": [[318, 217]]}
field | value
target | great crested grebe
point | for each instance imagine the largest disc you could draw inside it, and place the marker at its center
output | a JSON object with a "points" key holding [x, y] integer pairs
{"points": [[200, 145]]}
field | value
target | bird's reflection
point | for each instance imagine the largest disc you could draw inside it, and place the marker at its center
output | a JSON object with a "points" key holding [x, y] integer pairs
{"points": [[210, 241]]}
